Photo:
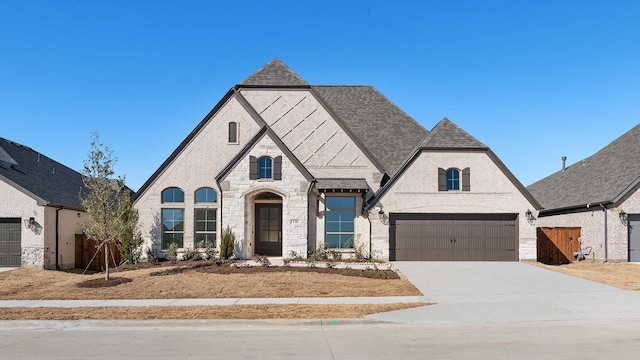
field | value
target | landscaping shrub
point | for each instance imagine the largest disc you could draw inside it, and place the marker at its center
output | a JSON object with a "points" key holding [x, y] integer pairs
{"points": [[172, 252], [227, 243]]}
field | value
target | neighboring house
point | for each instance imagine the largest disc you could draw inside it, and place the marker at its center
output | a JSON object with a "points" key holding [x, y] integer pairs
{"points": [[40, 210], [600, 195], [291, 167]]}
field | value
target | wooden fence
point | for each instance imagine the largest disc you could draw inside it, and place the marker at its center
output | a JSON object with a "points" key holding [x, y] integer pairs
{"points": [[556, 245], [86, 249]]}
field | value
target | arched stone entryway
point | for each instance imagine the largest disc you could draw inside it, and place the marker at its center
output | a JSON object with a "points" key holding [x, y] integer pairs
{"points": [[267, 223]]}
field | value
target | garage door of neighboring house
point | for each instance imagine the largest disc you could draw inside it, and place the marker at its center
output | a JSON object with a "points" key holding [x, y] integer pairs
{"points": [[634, 238], [453, 237], [10, 248]]}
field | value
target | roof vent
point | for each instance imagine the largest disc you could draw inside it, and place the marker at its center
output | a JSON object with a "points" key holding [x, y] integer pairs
{"points": [[564, 163]]}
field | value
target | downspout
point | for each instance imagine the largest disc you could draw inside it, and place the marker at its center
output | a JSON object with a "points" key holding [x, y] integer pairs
{"points": [[220, 217], [370, 233], [606, 251], [57, 236], [313, 181]]}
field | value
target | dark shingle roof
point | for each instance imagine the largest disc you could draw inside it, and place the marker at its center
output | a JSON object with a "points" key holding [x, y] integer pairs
{"points": [[446, 134], [601, 178], [275, 73], [387, 132], [341, 184], [51, 182]]}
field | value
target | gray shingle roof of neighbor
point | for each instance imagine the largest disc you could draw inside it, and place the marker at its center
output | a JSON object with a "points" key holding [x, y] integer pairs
{"points": [[383, 128], [604, 177], [50, 182], [446, 134], [274, 73]]}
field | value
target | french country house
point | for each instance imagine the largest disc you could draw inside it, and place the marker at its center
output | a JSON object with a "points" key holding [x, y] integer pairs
{"points": [[599, 195], [291, 167], [40, 209]]}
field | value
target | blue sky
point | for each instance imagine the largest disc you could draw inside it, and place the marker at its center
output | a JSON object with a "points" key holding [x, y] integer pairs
{"points": [[533, 80]]}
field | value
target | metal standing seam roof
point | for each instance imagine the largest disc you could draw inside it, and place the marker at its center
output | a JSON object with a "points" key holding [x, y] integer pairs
{"points": [[603, 177], [48, 180]]}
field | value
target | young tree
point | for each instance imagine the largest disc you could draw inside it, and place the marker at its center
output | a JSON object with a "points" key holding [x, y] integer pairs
{"points": [[130, 244], [104, 198]]}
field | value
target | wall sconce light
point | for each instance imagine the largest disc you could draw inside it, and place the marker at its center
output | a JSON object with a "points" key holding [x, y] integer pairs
{"points": [[623, 217], [530, 218], [29, 223]]}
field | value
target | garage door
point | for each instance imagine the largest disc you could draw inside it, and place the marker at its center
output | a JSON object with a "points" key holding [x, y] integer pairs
{"points": [[10, 249], [453, 237]]}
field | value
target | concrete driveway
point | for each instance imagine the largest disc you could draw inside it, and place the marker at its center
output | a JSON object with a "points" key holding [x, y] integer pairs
{"points": [[508, 291]]}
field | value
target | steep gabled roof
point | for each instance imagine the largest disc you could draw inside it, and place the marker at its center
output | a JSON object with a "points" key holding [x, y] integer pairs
{"points": [[446, 134], [45, 180], [387, 132], [274, 73], [604, 177]]}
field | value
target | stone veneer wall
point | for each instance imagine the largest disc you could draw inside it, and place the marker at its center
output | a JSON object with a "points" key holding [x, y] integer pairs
{"points": [[238, 193]]}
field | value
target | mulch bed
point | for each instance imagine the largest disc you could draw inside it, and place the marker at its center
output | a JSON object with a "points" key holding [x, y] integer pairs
{"points": [[225, 269], [100, 283]]}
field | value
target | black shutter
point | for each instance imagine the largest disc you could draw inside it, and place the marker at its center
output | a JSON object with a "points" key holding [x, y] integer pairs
{"points": [[442, 179], [277, 168], [466, 179], [253, 168], [233, 132]]}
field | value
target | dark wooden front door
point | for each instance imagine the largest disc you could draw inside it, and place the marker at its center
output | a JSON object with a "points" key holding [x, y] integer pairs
{"points": [[269, 229]]}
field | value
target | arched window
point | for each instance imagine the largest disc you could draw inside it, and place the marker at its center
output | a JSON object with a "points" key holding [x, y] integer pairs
{"points": [[453, 179], [206, 195], [265, 168], [172, 195], [233, 132]]}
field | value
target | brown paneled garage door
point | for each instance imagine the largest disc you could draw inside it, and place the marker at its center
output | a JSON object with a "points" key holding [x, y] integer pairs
{"points": [[10, 247], [453, 237]]}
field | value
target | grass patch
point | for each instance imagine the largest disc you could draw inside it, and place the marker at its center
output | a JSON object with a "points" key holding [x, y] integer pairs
{"points": [[338, 311], [624, 276], [205, 281]]}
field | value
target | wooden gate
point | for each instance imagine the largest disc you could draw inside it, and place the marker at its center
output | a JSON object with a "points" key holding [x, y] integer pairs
{"points": [[557, 245], [86, 249]]}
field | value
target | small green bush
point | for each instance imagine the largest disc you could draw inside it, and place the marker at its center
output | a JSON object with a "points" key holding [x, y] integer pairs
{"points": [[227, 243], [190, 253], [152, 255], [172, 252], [209, 250]]}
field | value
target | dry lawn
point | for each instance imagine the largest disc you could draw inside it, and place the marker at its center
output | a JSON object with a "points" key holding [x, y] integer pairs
{"points": [[30, 284], [625, 276], [339, 311]]}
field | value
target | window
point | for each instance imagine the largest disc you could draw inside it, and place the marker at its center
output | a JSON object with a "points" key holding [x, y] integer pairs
{"points": [[264, 168], [453, 179], [172, 227], [339, 221], [172, 195], [206, 195], [233, 132], [205, 226]]}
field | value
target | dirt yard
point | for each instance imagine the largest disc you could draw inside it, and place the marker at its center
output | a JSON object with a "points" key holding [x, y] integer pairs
{"points": [[203, 281], [249, 312], [625, 276]]}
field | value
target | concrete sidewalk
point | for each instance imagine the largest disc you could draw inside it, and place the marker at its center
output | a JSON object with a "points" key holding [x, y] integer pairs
{"points": [[211, 302]]}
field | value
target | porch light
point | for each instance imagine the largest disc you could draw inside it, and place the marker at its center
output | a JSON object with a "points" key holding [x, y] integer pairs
{"points": [[623, 217], [530, 218]]}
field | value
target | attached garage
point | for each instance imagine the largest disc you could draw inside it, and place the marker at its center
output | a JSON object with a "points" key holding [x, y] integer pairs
{"points": [[10, 248], [634, 238], [453, 237]]}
